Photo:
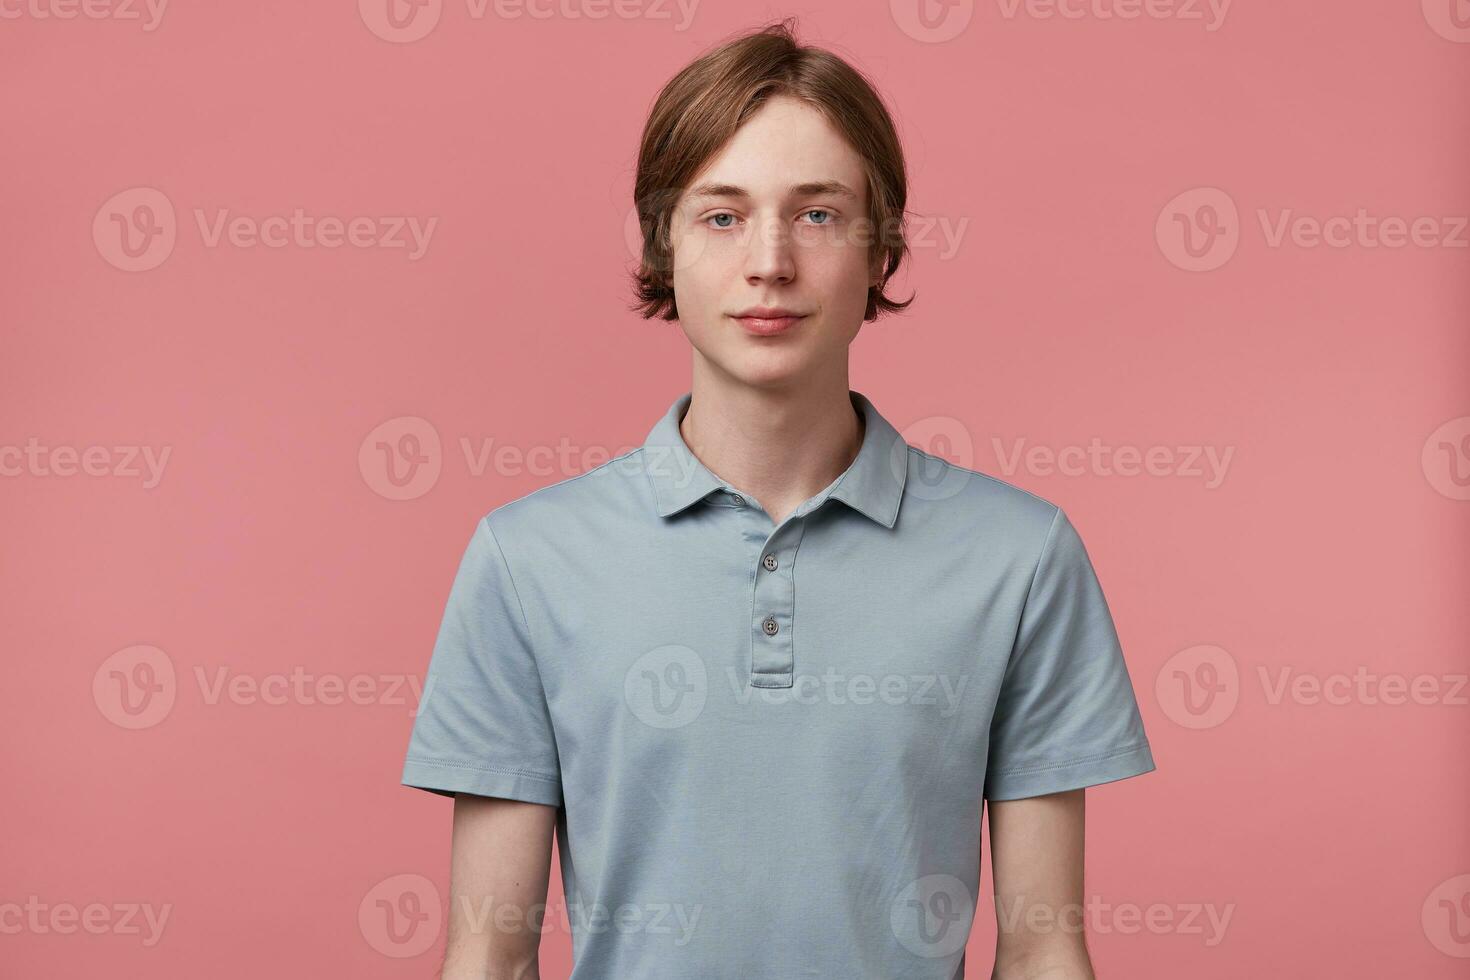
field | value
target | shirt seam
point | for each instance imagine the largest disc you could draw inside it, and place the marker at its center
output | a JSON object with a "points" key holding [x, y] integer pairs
{"points": [[572, 479], [526, 622], [983, 475], [1042, 767], [1031, 586], [503, 770]]}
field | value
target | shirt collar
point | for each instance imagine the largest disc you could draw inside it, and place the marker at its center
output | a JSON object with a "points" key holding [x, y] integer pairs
{"points": [[872, 484]]}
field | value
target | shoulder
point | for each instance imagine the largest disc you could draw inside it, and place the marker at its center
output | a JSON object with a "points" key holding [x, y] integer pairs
{"points": [[972, 493], [968, 502], [599, 497]]}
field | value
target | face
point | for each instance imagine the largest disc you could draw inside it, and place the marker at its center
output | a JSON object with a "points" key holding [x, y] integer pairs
{"points": [[776, 222]]}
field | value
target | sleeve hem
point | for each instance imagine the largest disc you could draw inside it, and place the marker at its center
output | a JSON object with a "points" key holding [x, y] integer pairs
{"points": [[1015, 784], [448, 778]]}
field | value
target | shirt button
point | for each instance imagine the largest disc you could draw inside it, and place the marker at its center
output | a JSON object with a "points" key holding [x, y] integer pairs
{"points": [[770, 626], [738, 500], [770, 562]]}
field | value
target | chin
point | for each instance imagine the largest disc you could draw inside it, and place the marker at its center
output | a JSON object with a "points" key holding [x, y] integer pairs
{"points": [[767, 369]]}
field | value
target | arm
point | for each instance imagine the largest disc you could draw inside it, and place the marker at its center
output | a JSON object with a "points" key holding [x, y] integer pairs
{"points": [[1036, 863], [500, 857]]}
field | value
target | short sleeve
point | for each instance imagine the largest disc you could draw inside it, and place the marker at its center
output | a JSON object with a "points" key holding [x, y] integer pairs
{"points": [[1066, 716], [483, 726]]}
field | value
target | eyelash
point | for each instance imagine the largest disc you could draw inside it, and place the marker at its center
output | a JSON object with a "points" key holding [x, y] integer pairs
{"points": [[832, 216]]}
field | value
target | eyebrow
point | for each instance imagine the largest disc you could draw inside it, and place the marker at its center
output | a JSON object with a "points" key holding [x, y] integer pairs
{"points": [[811, 188]]}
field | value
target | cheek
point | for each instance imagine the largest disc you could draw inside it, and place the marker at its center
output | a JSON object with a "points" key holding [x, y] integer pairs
{"points": [[839, 271], [702, 262]]}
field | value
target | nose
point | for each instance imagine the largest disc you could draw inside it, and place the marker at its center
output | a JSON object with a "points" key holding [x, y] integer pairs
{"points": [[769, 253]]}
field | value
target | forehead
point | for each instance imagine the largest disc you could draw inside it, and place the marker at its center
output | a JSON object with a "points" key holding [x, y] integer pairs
{"points": [[785, 144]]}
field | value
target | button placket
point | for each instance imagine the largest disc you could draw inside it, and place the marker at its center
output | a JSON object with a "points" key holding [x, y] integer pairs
{"points": [[773, 608]]}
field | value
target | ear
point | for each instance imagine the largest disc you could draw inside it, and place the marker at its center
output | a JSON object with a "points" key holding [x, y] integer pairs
{"points": [[875, 269]]}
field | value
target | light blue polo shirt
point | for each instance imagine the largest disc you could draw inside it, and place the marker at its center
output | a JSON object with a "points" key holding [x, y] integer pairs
{"points": [[769, 745]]}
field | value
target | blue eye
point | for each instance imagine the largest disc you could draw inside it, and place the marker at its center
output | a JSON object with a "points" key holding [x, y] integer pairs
{"points": [[827, 215]]}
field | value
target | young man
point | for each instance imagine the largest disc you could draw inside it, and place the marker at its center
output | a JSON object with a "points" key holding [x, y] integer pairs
{"points": [[760, 673]]}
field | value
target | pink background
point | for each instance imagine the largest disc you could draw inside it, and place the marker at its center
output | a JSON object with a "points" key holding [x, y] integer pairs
{"points": [[1331, 832]]}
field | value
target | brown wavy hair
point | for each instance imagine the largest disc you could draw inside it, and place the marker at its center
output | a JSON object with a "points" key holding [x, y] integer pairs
{"points": [[707, 101]]}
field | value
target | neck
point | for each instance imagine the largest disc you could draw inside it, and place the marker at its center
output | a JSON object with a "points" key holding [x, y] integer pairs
{"points": [[777, 445]]}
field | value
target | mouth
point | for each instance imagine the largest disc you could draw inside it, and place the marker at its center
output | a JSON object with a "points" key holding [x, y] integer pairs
{"points": [[768, 322]]}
